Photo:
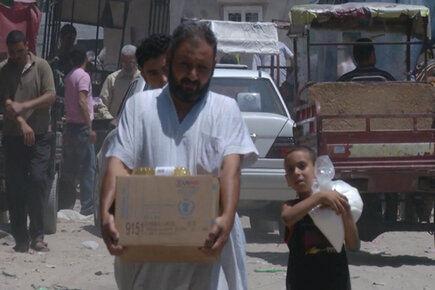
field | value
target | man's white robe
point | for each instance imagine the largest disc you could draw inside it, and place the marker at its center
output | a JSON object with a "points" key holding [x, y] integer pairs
{"points": [[149, 135]]}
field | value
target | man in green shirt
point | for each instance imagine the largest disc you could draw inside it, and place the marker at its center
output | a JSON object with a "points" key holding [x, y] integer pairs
{"points": [[27, 92]]}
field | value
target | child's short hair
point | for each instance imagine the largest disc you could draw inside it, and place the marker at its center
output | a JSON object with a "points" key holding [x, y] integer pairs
{"points": [[305, 148]]}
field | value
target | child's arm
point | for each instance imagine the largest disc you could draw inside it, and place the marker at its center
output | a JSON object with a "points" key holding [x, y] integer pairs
{"points": [[351, 237], [292, 214]]}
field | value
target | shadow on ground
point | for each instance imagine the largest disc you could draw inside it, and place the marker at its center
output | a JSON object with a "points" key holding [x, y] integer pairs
{"points": [[274, 258], [363, 258], [92, 230], [262, 237]]}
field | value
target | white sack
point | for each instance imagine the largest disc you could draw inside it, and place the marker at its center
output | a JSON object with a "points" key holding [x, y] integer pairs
{"points": [[331, 224]]}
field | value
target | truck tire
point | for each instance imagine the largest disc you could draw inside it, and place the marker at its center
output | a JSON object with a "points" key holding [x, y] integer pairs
{"points": [[50, 212]]}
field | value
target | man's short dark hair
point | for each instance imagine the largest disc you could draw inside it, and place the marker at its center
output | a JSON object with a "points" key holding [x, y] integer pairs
{"points": [[77, 56], [193, 30], [67, 29], [16, 36], [362, 53], [152, 47]]}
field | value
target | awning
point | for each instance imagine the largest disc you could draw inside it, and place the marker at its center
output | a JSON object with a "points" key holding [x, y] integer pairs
{"points": [[245, 37], [367, 16], [111, 12]]}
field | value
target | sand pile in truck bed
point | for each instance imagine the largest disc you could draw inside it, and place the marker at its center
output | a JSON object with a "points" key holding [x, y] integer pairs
{"points": [[374, 98]]}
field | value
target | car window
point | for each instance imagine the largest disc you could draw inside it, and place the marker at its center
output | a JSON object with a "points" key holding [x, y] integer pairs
{"points": [[252, 95]]}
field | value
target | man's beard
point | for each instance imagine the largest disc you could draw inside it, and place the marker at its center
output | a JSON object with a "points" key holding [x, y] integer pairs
{"points": [[186, 96]]}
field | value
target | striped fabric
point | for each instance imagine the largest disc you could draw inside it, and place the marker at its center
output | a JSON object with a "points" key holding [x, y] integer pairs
{"points": [[366, 74]]}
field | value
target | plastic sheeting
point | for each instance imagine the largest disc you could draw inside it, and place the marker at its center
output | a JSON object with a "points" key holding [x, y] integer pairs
{"points": [[361, 13], [245, 37]]}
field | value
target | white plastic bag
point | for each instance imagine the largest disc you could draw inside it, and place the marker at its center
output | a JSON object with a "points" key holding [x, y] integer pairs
{"points": [[92, 245], [328, 222]]}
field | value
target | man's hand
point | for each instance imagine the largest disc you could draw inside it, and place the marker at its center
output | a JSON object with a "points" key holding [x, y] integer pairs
{"points": [[13, 108], [92, 136], [110, 234], [229, 182], [218, 236], [28, 133]]}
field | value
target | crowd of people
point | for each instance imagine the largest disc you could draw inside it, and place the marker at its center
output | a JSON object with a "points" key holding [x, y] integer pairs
{"points": [[175, 121]]}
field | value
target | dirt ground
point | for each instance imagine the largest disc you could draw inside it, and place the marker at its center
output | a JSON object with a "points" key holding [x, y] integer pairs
{"points": [[397, 260]]}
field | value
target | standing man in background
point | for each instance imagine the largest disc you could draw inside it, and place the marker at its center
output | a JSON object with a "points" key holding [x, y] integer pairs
{"points": [[61, 64], [78, 138], [116, 84], [27, 92]]}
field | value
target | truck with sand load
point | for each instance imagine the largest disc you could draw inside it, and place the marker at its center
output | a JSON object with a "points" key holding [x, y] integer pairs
{"points": [[380, 136]]}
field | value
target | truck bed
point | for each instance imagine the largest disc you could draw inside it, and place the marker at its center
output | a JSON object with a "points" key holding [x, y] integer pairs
{"points": [[379, 147]]}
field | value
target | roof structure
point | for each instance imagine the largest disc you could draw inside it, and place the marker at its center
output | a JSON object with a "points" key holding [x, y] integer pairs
{"points": [[368, 16]]}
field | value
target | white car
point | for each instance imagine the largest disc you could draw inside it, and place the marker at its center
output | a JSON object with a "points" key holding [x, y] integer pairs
{"points": [[263, 187]]}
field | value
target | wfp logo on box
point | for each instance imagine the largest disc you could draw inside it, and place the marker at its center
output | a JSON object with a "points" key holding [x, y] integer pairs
{"points": [[187, 182], [186, 207]]}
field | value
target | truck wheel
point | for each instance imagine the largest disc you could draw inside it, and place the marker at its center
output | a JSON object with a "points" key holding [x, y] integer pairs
{"points": [[50, 213]]}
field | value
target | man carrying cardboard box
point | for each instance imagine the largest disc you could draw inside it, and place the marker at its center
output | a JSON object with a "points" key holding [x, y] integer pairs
{"points": [[184, 125]]}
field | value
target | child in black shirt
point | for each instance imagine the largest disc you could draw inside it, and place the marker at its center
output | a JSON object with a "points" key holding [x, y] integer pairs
{"points": [[313, 262]]}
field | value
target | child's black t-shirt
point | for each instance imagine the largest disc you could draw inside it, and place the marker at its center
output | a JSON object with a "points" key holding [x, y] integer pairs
{"points": [[313, 262]]}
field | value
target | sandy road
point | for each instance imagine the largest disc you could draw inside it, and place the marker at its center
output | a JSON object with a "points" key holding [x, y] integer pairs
{"points": [[392, 261]]}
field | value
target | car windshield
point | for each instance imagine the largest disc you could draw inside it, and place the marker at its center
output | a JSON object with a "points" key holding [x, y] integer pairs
{"points": [[251, 94]]}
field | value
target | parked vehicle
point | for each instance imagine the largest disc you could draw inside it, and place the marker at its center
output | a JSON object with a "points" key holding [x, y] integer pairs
{"points": [[263, 187], [379, 136]]}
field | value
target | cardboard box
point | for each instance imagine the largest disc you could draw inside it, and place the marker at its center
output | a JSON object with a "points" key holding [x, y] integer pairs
{"points": [[165, 218]]}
